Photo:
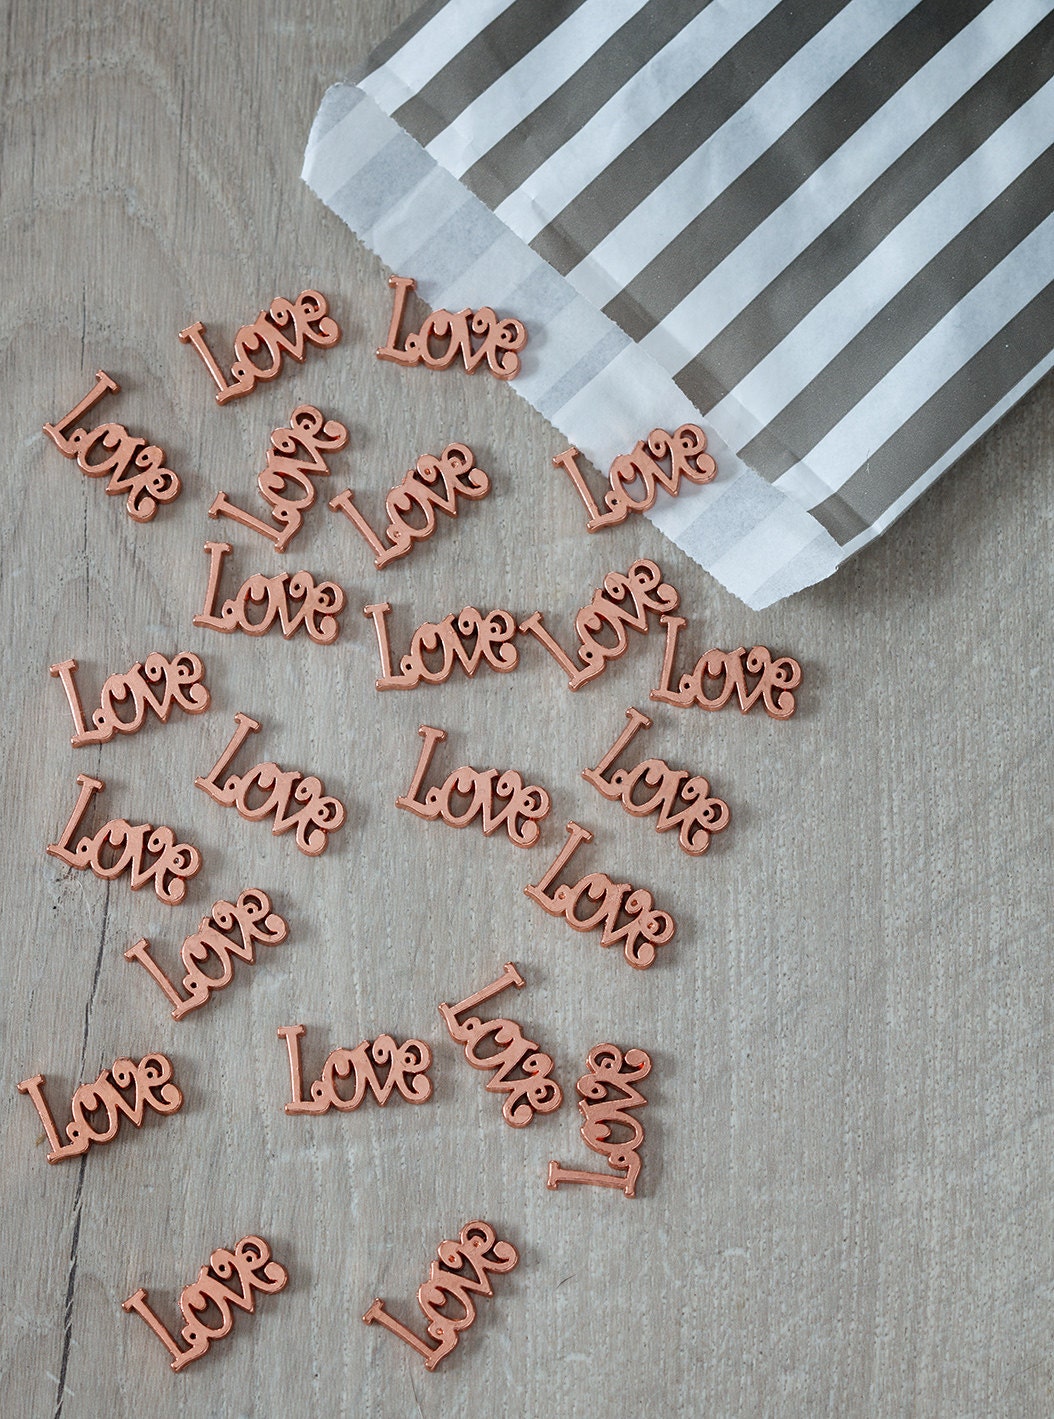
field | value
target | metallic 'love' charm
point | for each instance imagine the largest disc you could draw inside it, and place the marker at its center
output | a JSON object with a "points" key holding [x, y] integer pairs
{"points": [[685, 449], [468, 639], [776, 679], [317, 613], [607, 1094], [406, 1070], [311, 324], [150, 1081], [180, 681], [498, 340]]}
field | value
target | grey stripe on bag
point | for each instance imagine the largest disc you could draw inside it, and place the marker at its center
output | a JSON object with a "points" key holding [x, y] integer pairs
{"points": [[902, 323], [604, 202], [785, 301], [793, 158], [1022, 345], [392, 45], [493, 52], [512, 160]]}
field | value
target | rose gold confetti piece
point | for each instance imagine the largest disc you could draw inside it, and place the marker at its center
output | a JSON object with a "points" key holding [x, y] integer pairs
{"points": [[699, 815], [490, 637], [180, 681], [250, 1262], [646, 929], [774, 685], [686, 450], [134, 467], [174, 863], [317, 613], [522, 806], [498, 339], [455, 470], [250, 916], [311, 324], [642, 586], [607, 1094], [462, 1271], [150, 1081], [285, 483], [407, 1066], [530, 1093]]}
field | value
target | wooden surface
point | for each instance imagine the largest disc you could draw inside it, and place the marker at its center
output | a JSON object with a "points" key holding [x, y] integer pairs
{"points": [[846, 1203]]}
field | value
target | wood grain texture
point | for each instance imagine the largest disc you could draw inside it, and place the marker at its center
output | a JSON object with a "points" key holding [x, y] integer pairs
{"points": [[846, 1205]]}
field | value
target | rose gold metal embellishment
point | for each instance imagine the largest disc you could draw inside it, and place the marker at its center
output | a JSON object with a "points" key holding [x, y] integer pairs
{"points": [[147, 486], [530, 1093], [646, 591], [285, 472], [607, 1094], [522, 806], [498, 339], [699, 815], [174, 863], [254, 920], [463, 1270], [455, 468], [318, 816], [180, 681], [318, 610], [407, 1071], [774, 685], [686, 450], [491, 643], [645, 931], [311, 325], [250, 1262], [150, 1080]]}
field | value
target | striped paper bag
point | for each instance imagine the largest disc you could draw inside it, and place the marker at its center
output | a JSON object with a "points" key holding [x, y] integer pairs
{"points": [[821, 229]]}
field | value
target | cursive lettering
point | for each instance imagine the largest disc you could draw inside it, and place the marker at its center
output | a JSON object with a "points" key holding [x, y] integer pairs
{"points": [[180, 679], [776, 679], [149, 1079], [498, 339], [685, 449], [311, 324], [317, 613]]}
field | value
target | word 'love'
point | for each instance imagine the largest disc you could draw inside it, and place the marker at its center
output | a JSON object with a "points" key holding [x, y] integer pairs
{"points": [[313, 821], [149, 1080], [685, 449], [406, 1071], [641, 935], [285, 483], [173, 863], [250, 1262], [254, 921], [522, 806], [455, 468], [532, 1091], [699, 815], [498, 339], [134, 466], [180, 680], [477, 1250], [320, 604], [491, 643], [642, 587], [773, 687], [608, 1093], [311, 324]]}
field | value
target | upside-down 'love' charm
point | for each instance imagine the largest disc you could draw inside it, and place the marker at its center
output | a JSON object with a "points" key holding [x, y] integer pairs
{"points": [[250, 1263], [699, 815], [180, 681], [320, 604], [686, 450], [317, 817], [311, 325], [462, 1271], [254, 921], [522, 806], [407, 1064], [491, 644], [150, 1081], [777, 679], [498, 340], [455, 469], [285, 483], [533, 1091], [646, 929], [174, 863], [645, 590], [608, 1093], [134, 466]]}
